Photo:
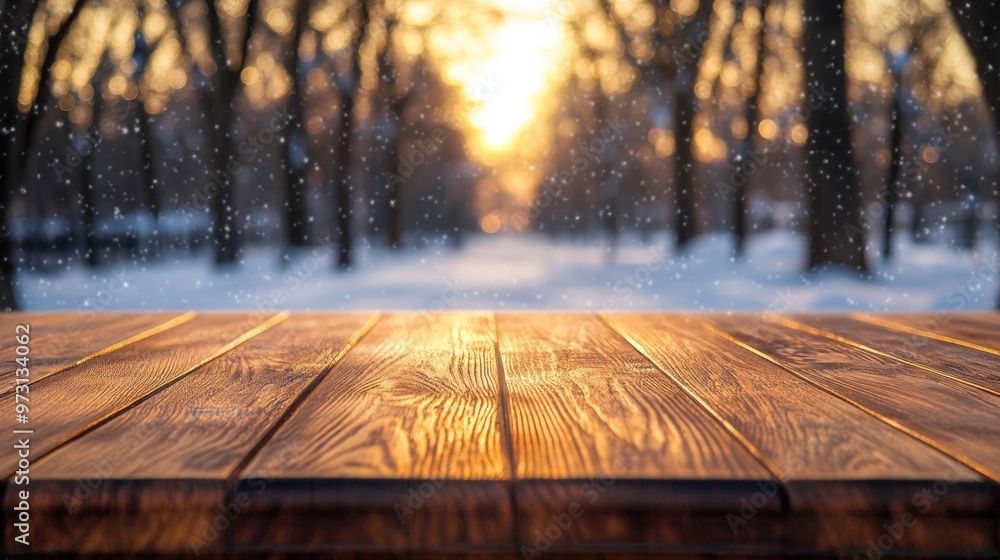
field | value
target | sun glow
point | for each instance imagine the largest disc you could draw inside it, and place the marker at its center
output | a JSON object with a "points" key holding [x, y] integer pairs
{"points": [[505, 99]]}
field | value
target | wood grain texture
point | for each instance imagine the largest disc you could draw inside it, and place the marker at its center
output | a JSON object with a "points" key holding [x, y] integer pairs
{"points": [[472, 435], [826, 451], [62, 340], [979, 331], [952, 417], [161, 495], [397, 449], [596, 427], [961, 363], [68, 404]]}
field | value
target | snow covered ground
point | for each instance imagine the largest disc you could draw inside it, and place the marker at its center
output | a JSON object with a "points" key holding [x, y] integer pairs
{"points": [[531, 272]]}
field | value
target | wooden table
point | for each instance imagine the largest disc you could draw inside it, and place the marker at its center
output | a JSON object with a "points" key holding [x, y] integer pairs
{"points": [[523, 435]]}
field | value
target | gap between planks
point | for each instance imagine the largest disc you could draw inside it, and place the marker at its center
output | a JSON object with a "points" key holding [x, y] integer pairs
{"points": [[265, 325], [351, 343], [776, 472], [922, 332], [796, 325], [506, 435], [931, 442], [176, 321]]}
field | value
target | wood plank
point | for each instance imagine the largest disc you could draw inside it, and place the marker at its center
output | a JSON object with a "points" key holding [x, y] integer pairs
{"points": [[398, 449], [959, 363], [66, 340], [953, 418], [979, 331], [600, 434], [64, 406], [151, 494], [44, 320], [826, 451]]}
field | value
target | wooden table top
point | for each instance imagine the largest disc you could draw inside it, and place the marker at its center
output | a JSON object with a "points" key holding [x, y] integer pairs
{"points": [[520, 435]]}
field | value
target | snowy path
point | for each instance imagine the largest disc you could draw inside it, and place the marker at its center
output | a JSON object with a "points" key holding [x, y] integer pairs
{"points": [[528, 272]]}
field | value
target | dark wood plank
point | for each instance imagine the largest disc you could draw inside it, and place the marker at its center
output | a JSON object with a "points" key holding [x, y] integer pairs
{"points": [[398, 449], [959, 363], [152, 494], [601, 435], [949, 416], [66, 405], [66, 340], [826, 451], [979, 331]]}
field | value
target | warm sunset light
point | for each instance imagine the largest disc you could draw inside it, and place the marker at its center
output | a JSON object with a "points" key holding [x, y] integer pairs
{"points": [[546, 279], [220, 125], [524, 53]]}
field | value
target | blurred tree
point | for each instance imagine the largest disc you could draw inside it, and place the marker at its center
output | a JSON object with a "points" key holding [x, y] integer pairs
{"points": [[739, 166], [676, 58], [980, 24], [15, 21], [88, 205], [836, 236], [349, 88], [897, 121], [296, 141], [400, 94], [225, 231], [140, 57], [686, 58]]}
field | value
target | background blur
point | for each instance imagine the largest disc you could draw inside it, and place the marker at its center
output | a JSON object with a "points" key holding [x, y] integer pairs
{"points": [[503, 154]]}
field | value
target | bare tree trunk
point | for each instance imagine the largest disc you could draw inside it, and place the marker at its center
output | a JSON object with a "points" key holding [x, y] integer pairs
{"points": [[344, 195], [26, 136], [398, 103], [607, 190], [684, 204], [349, 86], [296, 220], [687, 59], [140, 55], [87, 202], [835, 236], [15, 20], [978, 22], [225, 231], [895, 169], [149, 174], [224, 236], [740, 167], [394, 155]]}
